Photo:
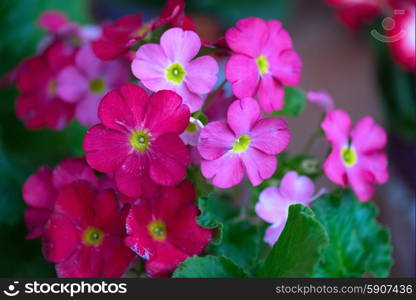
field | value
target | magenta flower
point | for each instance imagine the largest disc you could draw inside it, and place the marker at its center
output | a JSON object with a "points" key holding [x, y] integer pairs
{"points": [[85, 234], [356, 156], [273, 205], [217, 109], [163, 230], [169, 66], [41, 189], [322, 99], [138, 139], [86, 82], [263, 62], [246, 142]]}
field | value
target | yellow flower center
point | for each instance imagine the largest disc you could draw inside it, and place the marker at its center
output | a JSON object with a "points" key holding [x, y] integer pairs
{"points": [[175, 73], [93, 236], [97, 86], [262, 64], [157, 230], [241, 144], [349, 156], [192, 127], [140, 140]]}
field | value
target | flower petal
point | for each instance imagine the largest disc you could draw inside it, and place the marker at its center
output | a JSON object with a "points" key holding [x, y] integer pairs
{"points": [[362, 183], [38, 190], [215, 140], [271, 94], [259, 166], [298, 189], [87, 262], [248, 36], [273, 232], [180, 45], [225, 171], [71, 84], [337, 126], [367, 136], [87, 110], [123, 109], [201, 74], [241, 71], [169, 159], [36, 220], [270, 135], [272, 207], [166, 113], [55, 248], [71, 170], [106, 148], [242, 115], [334, 168]]}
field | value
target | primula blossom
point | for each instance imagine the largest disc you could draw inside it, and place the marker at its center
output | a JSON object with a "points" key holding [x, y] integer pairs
{"points": [[87, 81], [263, 62], [85, 233], [163, 230], [356, 158], [274, 202], [244, 143], [170, 66], [39, 104], [138, 139], [40, 191]]}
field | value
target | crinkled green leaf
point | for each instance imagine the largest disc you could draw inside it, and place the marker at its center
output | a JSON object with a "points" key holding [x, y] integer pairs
{"points": [[214, 211], [299, 248], [358, 244], [242, 242], [208, 267]]}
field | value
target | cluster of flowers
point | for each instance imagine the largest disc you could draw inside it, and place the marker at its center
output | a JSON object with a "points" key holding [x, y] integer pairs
{"points": [[129, 195], [399, 25]]}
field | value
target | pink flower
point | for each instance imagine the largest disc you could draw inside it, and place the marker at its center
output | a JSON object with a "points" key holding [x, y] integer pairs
{"points": [[40, 191], [322, 99], [402, 35], [273, 205], [356, 156], [85, 233], [138, 139], [354, 12], [38, 104], [86, 82], [169, 66], [164, 231], [191, 134], [263, 62], [246, 142], [56, 22]]}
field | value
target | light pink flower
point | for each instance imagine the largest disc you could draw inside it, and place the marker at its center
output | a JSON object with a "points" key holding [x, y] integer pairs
{"points": [[264, 61], [356, 158], [322, 99], [86, 82], [169, 66], [274, 202], [245, 143]]}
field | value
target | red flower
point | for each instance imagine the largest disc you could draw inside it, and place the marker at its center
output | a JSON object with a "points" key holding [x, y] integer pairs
{"points": [[164, 231], [38, 104], [138, 139], [85, 233], [41, 189], [118, 37]]}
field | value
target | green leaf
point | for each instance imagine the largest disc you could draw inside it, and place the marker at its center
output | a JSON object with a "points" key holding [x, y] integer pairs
{"points": [[358, 244], [208, 267], [242, 242], [299, 248], [214, 211], [294, 103]]}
